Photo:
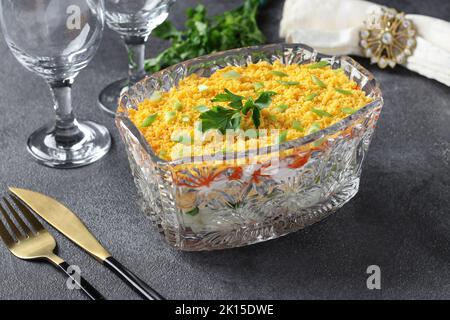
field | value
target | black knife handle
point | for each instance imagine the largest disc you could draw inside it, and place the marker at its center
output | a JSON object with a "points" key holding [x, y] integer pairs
{"points": [[87, 288], [132, 280]]}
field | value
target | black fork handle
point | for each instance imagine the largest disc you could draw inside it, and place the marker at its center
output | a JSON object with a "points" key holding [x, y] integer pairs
{"points": [[87, 288], [139, 286]]}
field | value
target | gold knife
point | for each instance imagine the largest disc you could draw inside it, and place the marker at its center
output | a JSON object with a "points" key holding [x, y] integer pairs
{"points": [[66, 222]]}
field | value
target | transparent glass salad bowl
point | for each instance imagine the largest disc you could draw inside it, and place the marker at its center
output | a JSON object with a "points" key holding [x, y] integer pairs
{"points": [[208, 205]]}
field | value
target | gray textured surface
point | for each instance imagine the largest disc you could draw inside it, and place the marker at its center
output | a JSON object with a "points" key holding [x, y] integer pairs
{"points": [[400, 220]]}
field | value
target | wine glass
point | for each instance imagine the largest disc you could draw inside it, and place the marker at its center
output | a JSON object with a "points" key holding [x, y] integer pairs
{"points": [[56, 39], [133, 20]]}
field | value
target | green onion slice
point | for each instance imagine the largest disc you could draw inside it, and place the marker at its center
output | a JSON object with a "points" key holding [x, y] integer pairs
{"points": [[315, 127], [169, 115], [342, 91], [258, 85], [184, 139], [282, 108], [318, 82], [310, 97], [279, 74], [288, 83], [201, 108], [283, 136], [321, 113], [319, 64], [232, 74], [149, 120], [297, 125], [348, 110], [178, 105], [338, 70]]}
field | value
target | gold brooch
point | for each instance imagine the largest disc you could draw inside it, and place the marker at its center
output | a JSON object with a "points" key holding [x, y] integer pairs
{"points": [[388, 38]]}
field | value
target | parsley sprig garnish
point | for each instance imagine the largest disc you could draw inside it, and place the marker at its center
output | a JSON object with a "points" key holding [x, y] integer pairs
{"points": [[224, 118], [204, 34]]}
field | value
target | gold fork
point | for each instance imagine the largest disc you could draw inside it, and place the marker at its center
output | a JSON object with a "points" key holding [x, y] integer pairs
{"points": [[36, 244]]}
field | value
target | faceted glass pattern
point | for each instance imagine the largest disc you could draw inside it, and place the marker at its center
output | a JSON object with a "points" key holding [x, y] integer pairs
{"points": [[200, 205]]}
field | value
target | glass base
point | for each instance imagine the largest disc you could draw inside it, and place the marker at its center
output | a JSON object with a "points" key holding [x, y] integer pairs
{"points": [[95, 143], [108, 99]]}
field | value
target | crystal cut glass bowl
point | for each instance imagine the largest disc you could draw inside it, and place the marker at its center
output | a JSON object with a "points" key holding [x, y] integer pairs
{"points": [[201, 205]]}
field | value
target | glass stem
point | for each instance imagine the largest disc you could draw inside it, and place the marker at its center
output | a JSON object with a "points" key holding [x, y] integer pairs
{"points": [[136, 58], [67, 133]]}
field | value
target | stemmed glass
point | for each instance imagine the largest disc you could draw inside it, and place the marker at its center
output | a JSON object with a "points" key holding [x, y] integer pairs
{"points": [[133, 20], [56, 39]]}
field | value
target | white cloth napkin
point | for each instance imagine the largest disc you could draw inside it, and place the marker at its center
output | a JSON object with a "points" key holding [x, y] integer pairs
{"points": [[332, 27]]}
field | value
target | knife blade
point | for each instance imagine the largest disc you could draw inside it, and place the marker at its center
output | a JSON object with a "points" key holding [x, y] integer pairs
{"points": [[66, 222]]}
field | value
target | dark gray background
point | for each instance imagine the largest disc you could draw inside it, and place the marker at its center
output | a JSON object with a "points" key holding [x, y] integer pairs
{"points": [[400, 219]]}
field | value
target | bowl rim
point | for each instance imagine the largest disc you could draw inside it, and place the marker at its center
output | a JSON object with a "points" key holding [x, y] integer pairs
{"points": [[122, 118]]}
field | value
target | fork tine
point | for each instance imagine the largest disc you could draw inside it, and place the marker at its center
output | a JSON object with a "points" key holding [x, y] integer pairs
{"points": [[11, 224], [5, 236], [28, 214], [22, 224]]}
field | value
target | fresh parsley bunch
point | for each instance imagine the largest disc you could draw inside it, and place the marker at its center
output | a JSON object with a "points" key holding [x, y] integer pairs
{"points": [[232, 29], [222, 119]]}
